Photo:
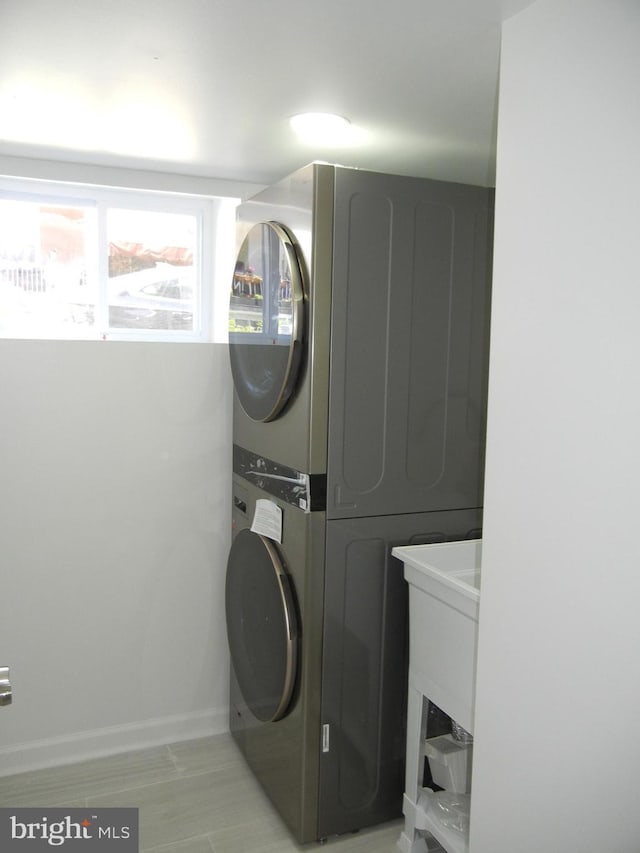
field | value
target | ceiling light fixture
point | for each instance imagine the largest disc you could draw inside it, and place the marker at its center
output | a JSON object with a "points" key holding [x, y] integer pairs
{"points": [[321, 128]]}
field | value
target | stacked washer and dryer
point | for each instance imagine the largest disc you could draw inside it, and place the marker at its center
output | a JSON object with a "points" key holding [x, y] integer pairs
{"points": [[359, 349]]}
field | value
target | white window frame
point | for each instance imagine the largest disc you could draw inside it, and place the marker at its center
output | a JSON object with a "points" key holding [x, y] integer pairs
{"points": [[205, 209]]}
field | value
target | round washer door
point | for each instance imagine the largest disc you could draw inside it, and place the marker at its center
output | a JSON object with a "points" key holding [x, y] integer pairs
{"points": [[266, 320], [261, 625]]}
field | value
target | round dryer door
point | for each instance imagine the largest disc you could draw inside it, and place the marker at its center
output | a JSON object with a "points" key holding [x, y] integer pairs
{"points": [[261, 625], [266, 321]]}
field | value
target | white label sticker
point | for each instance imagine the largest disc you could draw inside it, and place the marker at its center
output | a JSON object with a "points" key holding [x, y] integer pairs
{"points": [[267, 520]]}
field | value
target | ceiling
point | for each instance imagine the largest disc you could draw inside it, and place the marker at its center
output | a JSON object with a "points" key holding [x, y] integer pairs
{"points": [[206, 87]]}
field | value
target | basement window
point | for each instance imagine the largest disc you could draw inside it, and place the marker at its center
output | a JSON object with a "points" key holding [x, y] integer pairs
{"points": [[86, 263]]}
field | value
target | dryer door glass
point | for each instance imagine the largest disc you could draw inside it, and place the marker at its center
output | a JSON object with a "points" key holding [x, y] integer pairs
{"points": [[266, 320], [261, 625]]}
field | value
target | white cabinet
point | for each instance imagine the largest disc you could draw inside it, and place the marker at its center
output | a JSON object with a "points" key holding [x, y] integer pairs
{"points": [[444, 596]]}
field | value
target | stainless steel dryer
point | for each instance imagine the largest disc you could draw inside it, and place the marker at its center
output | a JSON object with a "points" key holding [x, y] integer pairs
{"points": [[359, 347], [279, 330], [359, 336]]}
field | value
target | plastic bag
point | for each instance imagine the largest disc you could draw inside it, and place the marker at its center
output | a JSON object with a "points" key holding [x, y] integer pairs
{"points": [[459, 734], [451, 810]]}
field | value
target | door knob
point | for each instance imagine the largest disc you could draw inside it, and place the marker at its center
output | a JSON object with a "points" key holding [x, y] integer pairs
{"points": [[6, 695]]}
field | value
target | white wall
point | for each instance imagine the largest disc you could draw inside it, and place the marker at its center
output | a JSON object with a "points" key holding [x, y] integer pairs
{"points": [[137, 179], [114, 531], [557, 750]]}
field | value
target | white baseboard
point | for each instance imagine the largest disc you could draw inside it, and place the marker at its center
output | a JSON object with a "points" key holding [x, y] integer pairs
{"points": [[81, 746]]}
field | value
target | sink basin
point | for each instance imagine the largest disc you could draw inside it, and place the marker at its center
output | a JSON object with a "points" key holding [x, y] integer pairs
{"points": [[450, 571], [444, 599]]}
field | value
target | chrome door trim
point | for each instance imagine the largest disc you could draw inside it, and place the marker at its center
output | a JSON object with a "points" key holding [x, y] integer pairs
{"points": [[294, 359], [6, 691], [291, 628], [285, 621]]}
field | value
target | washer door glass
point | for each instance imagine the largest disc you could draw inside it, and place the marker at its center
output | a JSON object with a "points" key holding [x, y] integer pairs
{"points": [[266, 320], [261, 625]]}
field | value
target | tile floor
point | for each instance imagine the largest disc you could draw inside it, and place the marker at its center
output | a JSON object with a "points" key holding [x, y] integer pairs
{"points": [[193, 797]]}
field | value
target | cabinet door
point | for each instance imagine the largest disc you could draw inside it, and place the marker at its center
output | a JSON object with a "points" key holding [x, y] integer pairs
{"points": [[365, 663], [409, 345]]}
